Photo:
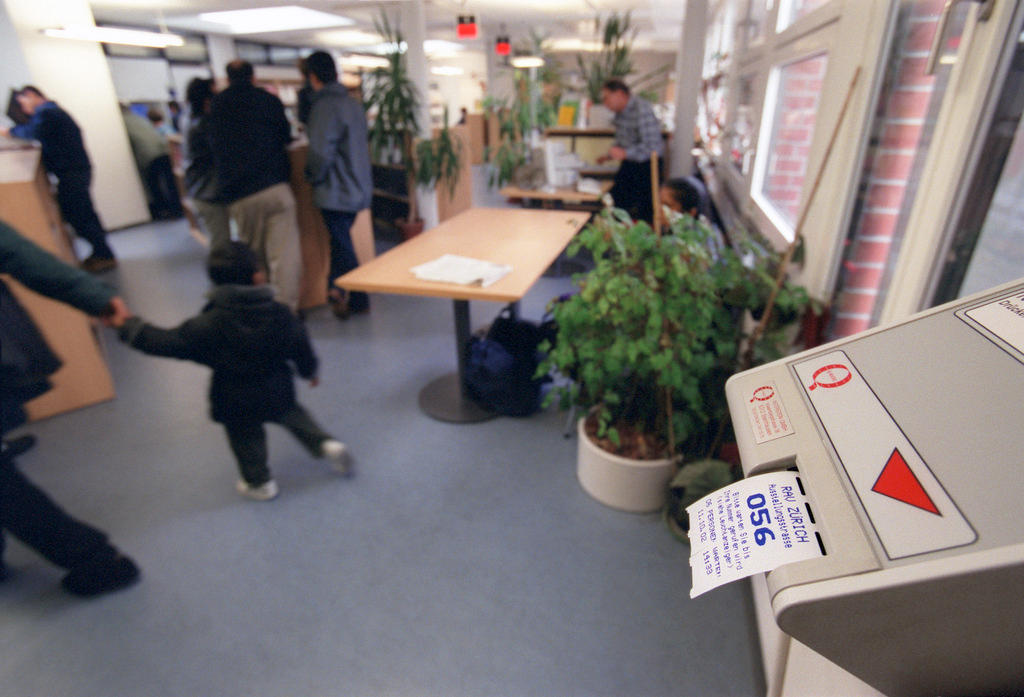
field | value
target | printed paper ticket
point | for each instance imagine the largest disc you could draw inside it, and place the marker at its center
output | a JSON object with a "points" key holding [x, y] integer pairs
{"points": [[749, 527]]}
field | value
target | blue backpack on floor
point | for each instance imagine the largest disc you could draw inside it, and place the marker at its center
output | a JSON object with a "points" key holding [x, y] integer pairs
{"points": [[500, 367]]}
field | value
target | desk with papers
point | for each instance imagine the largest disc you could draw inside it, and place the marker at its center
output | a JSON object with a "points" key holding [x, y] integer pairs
{"points": [[527, 240]]}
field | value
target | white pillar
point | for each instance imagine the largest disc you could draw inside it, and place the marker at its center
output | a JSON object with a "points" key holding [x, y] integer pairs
{"points": [[689, 69], [75, 74], [414, 29], [221, 50]]}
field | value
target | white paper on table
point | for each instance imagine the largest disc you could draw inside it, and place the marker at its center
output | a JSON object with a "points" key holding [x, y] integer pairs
{"points": [[452, 268], [751, 526]]}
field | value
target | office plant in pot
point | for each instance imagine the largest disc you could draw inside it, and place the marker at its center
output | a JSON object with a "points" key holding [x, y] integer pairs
{"points": [[393, 98], [646, 346], [439, 160]]}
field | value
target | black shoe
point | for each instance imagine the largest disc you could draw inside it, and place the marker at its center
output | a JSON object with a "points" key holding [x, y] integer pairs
{"points": [[338, 300], [101, 576], [18, 446], [97, 264]]}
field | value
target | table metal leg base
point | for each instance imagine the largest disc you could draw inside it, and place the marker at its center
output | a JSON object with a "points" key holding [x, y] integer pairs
{"points": [[443, 400]]}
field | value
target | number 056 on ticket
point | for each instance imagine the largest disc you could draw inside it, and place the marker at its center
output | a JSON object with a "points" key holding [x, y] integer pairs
{"points": [[749, 527]]}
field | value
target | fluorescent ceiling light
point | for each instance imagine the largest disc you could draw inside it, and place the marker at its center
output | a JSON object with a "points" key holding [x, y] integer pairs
{"points": [[527, 62], [446, 70], [574, 44], [437, 48], [360, 61], [115, 35], [348, 37], [264, 19]]}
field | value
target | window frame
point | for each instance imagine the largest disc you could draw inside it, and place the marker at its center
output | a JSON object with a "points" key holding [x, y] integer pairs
{"points": [[866, 27]]}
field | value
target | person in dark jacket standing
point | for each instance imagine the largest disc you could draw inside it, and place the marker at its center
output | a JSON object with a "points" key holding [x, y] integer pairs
{"points": [[249, 135], [200, 175], [64, 156], [249, 340], [93, 564], [338, 167]]}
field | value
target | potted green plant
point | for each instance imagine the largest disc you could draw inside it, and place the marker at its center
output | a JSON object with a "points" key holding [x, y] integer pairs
{"points": [[438, 160], [393, 98], [647, 344]]}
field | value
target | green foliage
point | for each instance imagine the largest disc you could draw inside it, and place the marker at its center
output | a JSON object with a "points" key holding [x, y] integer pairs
{"points": [[516, 119], [614, 60], [511, 151], [393, 95], [439, 159], [655, 330], [692, 482]]}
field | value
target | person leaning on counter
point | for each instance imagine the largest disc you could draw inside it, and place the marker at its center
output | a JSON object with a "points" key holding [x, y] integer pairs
{"points": [[64, 156]]}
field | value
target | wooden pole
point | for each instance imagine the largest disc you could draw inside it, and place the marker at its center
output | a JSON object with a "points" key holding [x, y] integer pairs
{"points": [[787, 257], [655, 194]]}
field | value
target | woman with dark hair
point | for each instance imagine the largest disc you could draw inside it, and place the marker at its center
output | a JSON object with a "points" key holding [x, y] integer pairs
{"points": [[200, 176]]}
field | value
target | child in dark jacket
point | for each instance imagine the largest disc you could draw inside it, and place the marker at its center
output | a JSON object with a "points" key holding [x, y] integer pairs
{"points": [[248, 339]]}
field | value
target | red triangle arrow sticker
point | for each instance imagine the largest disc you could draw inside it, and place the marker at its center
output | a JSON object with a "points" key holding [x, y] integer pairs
{"points": [[898, 481]]}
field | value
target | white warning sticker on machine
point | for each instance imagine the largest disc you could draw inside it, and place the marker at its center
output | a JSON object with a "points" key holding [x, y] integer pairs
{"points": [[749, 527], [767, 413], [907, 505], [1004, 318]]}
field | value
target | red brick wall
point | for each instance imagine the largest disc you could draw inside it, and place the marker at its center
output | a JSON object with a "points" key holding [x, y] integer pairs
{"points": [[901, 125]]}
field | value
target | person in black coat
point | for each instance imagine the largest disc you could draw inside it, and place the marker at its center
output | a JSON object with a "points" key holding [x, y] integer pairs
{"points": [[249, 136], [250, 341], [93, 564]]}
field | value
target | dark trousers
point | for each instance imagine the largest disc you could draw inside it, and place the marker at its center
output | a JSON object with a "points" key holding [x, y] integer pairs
{"points": [[163, 190], [249, 442], [30, 515], [75, 204], [631, 189], [343, 253]]}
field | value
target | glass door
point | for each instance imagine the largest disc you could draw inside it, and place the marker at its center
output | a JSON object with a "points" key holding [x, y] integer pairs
{"points": [[987, 245], [970, 179]]}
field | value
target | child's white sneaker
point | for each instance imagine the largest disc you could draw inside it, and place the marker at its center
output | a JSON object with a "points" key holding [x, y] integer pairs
{"points": [[263, 492], [337, 453]]}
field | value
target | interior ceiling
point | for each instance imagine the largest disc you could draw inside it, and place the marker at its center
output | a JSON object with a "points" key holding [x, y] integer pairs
{"points": [[658, 22]]}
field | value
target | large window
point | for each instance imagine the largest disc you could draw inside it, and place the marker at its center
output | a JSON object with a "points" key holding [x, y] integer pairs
{"points": [[789, 86], [793, 10], [793, 94]]}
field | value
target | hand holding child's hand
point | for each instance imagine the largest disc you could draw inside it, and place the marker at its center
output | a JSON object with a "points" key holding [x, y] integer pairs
{"points": [[116, 313]]}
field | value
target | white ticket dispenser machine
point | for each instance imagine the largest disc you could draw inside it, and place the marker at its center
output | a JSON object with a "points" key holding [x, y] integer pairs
{"points": [[909, 440]]}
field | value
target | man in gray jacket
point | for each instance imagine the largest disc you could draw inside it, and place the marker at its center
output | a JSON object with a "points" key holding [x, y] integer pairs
{"points": [[338, 167]]}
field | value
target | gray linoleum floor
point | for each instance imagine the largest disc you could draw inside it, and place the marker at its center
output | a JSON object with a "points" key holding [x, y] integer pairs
{"points": [[460, 560]]}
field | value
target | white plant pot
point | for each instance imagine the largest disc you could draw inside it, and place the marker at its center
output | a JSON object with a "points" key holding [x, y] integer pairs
{"points": [[637, 486]]}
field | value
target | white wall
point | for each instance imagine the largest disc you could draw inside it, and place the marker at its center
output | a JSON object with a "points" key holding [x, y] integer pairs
{"points": [[75, 75], [456, 91], [140, 79]]}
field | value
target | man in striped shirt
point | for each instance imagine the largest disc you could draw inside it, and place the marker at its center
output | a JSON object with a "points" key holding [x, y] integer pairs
{"points": [[637, 137]]}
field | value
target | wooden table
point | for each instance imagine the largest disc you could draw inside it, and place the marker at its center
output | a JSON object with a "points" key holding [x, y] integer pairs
{"points": [[527, 239], [563, 196]]}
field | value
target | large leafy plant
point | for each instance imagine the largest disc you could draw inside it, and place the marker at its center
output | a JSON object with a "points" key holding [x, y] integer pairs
{"points": [[439, 159], [614, 34], [395, 102], [653, 333]]}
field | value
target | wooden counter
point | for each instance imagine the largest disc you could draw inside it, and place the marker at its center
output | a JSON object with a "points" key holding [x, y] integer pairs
{"points": [[313, 235], [27, 205]]}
